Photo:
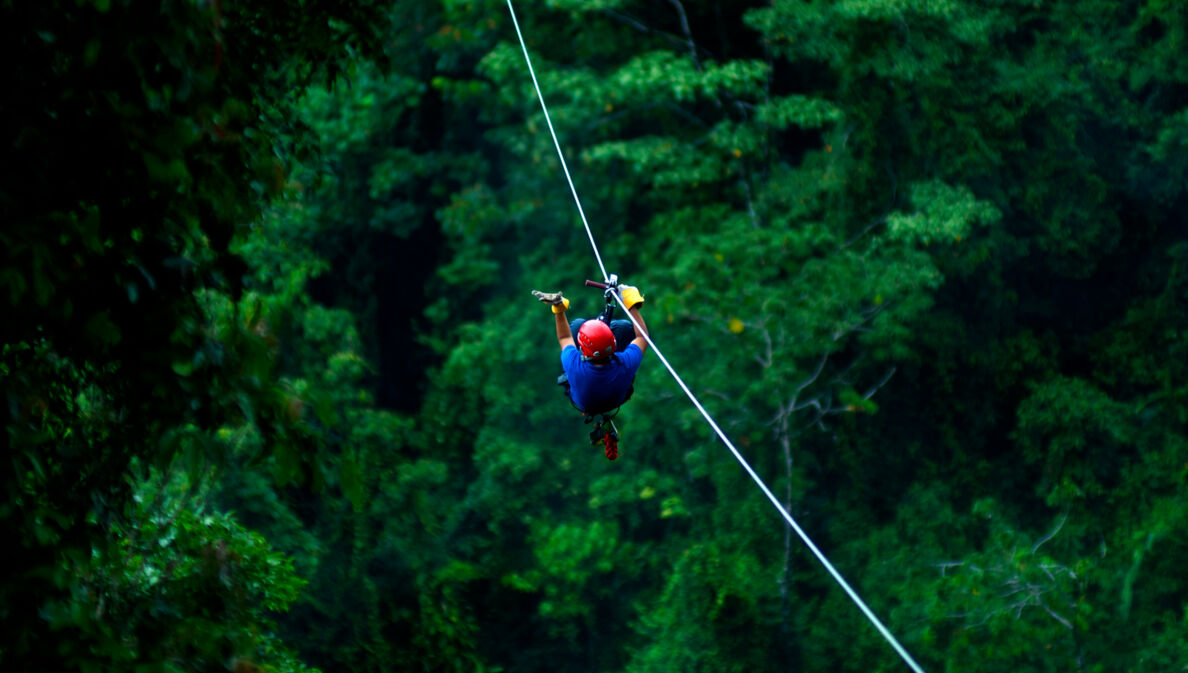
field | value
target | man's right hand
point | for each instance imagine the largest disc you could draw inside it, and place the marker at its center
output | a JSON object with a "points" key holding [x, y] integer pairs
{"points": [[554, 299]]}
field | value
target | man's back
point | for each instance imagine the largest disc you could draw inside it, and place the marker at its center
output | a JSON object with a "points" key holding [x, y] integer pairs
{"points": [[599, 388]]}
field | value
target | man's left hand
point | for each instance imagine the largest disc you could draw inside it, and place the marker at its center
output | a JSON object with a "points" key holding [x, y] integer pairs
{"points": [[554, 299], [631, 296]]}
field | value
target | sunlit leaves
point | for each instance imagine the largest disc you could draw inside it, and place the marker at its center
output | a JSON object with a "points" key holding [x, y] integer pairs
{"points": [[897, 9], [944, 215], [798, 110], [662, 162]]}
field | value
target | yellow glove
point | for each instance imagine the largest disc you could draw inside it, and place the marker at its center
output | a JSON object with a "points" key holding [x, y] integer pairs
{"points": [[631, 296], [559, 303]]}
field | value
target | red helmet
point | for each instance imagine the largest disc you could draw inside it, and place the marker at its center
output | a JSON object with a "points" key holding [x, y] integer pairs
{"points": [[596, 340]]}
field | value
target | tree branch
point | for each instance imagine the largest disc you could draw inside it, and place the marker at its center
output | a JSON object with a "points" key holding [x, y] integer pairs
{"points": [[1049, 536], [643, 27], [873, 389], [688, 33]]}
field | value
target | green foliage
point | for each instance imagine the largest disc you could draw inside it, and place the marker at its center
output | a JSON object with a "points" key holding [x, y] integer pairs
{"points": [[947, 215], [709, 603], [141, 139], [1014, 604], [269, 344], [1079, 434], [181, 589]]}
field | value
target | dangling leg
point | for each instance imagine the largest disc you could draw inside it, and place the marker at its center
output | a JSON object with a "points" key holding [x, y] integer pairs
{"points": [[597, 434]]}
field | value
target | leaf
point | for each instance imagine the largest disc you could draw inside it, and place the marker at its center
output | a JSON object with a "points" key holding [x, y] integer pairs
{"points": [[945, 214]]}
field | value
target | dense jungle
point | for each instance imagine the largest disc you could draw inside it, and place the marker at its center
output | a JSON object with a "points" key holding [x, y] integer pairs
{"points": [[276, 395]]}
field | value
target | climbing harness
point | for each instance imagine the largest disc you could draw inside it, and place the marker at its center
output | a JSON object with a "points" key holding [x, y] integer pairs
{"points": [[613, 292], [604, 430], [608, 434]]}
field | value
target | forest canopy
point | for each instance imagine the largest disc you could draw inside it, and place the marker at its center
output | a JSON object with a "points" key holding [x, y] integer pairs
{"points": [[277, 396]]}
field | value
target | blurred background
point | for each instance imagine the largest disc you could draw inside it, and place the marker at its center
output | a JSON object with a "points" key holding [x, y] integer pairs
{"points": [[276, 396]]}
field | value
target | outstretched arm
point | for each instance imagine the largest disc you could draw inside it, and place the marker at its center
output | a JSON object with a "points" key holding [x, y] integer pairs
{"points": [[632, 299], [564, 335], [558, 304], [640, 329]]}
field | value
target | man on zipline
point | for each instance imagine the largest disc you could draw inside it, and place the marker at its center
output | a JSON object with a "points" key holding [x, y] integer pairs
{"points": [[600, 367]]}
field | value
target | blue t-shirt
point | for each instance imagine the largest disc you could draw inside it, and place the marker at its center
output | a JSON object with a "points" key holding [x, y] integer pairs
{"points": [[600, 388]]}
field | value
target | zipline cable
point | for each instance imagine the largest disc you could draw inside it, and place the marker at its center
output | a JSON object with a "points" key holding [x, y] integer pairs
{"points": [[766, 491], [870, 615], [560, 155]]}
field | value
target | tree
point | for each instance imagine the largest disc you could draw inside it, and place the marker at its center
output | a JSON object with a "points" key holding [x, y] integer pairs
{"points": [[141, 138]]}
